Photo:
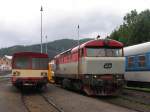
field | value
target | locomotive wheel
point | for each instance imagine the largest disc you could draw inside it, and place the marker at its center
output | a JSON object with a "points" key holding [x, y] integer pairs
{"points": [[77, 85], [66, 84]]}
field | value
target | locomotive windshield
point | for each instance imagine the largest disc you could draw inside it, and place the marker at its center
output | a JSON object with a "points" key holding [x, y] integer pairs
{"points": [[101, 52]]}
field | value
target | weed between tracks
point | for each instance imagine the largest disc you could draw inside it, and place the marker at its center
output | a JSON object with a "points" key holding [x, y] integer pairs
{"points": [[127, 102]]}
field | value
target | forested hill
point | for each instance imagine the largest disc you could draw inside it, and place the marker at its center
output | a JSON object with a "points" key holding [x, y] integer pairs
{"points": [[54, 47]]}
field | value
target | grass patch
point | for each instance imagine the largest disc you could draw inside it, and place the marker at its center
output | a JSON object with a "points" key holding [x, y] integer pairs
{"points": [[138, 89]]}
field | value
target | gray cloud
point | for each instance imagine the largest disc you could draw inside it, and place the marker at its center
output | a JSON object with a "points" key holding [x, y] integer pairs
{"points": [[89, 23], [65, 27]]}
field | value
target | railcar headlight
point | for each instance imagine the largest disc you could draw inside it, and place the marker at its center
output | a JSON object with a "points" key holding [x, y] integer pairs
{"points": [[16, 73], [44, 74]]}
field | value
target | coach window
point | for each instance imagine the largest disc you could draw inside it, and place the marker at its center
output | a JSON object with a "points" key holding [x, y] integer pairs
{"points": [[142, 61], [130, 62]]}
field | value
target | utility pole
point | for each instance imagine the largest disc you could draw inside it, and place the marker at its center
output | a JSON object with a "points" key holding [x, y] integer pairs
{"points": [[41, 28], [46, 43], [78, 52]]}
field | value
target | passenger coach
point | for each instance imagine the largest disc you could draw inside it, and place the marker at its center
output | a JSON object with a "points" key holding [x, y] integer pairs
{"points": [[95, 67], [138, 65], [29, 68]]}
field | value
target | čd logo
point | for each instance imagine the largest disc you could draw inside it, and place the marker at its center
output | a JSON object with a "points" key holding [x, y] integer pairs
{"points": [[108, 65]]}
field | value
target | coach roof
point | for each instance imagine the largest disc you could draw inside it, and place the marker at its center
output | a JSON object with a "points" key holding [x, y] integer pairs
{"points": [[137, 49]]}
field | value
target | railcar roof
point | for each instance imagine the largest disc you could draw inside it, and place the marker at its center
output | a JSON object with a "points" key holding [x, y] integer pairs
{"points": [[34, 54], [137, 49]]}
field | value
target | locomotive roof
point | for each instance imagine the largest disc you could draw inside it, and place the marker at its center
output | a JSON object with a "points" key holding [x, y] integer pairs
{"points": [[100, 43], [137, 49], [94, 43], [34, 54]]}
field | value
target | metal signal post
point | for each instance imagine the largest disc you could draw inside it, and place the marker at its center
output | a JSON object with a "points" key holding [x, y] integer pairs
{"points": [[46, 43], [41, 28], [78, 52]]}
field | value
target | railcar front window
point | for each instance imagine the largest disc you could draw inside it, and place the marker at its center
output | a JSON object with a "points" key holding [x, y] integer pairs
{"points": [[40, 63], [22, 63], [101, 52]]}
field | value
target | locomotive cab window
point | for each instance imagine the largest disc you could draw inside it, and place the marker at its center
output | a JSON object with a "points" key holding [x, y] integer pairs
{"points": [[130, 61], [101, 52], [142, 61]]}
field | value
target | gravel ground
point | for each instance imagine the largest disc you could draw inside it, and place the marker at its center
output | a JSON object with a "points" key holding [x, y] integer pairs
{"points": [[73, 102], [11, 101], [10, 98]]}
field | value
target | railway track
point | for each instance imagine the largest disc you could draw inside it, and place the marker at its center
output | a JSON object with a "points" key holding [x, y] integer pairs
{"points": [[24, 103], [41, 102], [137, 95], [131, 99], [49, 101], [4, 79]]}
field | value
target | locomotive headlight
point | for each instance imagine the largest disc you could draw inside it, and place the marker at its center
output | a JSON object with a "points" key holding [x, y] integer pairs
{"points": [[87, 76], [119, 76], [95, 76]]}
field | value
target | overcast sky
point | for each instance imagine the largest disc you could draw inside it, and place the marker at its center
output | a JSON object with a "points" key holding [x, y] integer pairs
{"points": [[20, 19]]}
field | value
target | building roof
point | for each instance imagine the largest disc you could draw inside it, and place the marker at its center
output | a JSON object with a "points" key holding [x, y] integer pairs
{"points": [[8, 57]]}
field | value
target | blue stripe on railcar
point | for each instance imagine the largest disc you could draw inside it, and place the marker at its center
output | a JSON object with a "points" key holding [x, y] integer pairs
{"points": [[136, 66]]}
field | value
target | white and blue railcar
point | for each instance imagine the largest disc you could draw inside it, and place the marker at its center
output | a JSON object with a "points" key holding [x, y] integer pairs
{"points": [[138, 64]]}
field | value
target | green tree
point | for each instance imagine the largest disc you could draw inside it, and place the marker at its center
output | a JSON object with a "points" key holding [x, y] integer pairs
{"points": [[135, 28]]}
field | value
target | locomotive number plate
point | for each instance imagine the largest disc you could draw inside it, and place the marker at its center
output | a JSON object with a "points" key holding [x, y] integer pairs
{"points": [[108, 65]]}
